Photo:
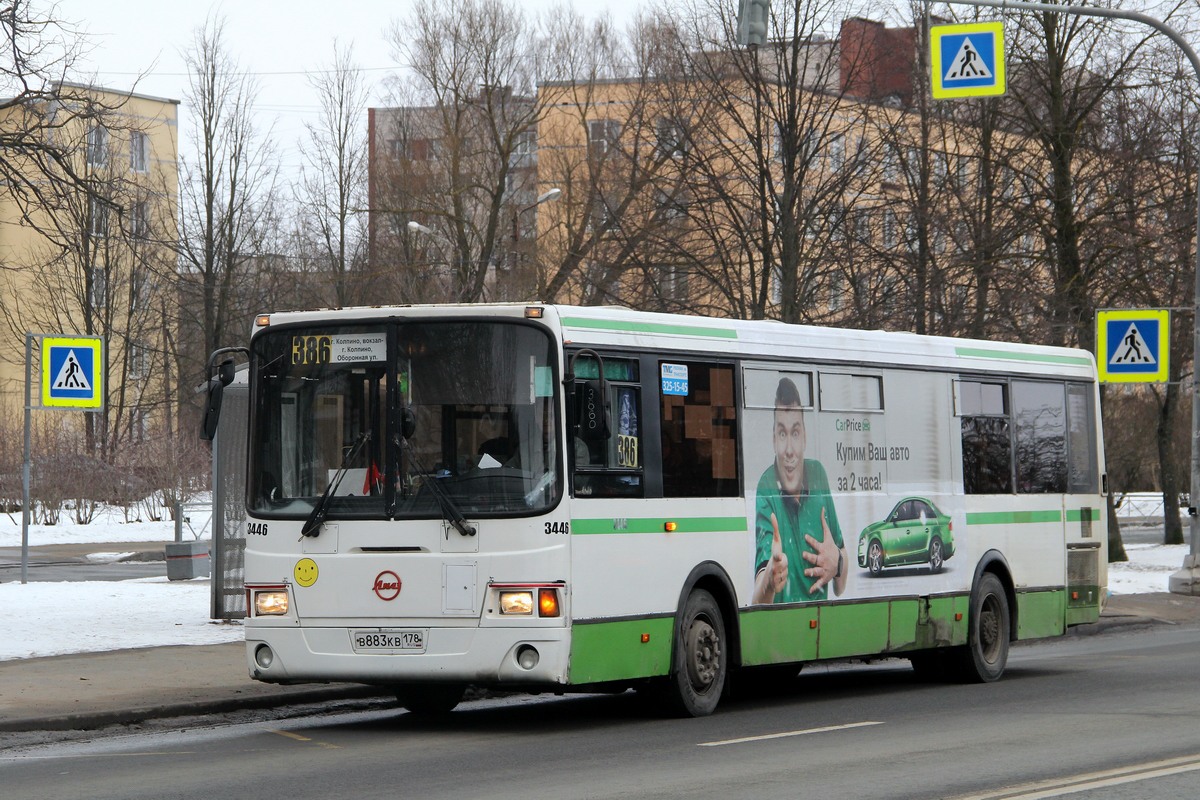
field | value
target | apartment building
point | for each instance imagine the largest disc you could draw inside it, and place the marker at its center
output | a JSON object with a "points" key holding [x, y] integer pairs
{"points": [[87, 248]]}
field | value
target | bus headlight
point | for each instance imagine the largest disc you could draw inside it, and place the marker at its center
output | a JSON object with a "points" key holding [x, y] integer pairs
{"points": [[528, 600], [516, 602], [270, 603]]}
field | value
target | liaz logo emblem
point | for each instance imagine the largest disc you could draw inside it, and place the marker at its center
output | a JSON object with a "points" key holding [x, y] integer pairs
{"points": [[387, 585]]}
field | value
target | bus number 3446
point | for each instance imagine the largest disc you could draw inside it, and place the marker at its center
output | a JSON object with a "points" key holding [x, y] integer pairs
{"points": [[558, 527]]}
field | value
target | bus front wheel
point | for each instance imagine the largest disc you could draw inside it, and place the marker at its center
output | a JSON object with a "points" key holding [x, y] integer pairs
{"points": [[700, 660]]}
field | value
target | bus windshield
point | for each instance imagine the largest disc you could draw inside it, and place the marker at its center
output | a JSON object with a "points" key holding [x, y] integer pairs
{"points": [[404, 420]]}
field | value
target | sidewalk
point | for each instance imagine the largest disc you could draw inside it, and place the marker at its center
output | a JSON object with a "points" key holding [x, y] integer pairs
{"points": [[93, 690]]}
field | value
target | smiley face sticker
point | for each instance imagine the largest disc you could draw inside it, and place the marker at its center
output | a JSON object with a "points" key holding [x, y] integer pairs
{"points": [[305, 572]]}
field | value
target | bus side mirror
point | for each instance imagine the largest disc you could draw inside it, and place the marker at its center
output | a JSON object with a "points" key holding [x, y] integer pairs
{"points": [[408, 423], [592, 411], [212, 405]]}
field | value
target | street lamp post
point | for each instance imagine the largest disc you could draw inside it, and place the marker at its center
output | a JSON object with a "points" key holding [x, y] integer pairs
{"points": [[1187, 579], [548, 196], [444, 245]]}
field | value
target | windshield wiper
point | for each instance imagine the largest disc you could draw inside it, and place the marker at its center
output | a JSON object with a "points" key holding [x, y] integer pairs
{"points": [[312, 526], [450, 511]]}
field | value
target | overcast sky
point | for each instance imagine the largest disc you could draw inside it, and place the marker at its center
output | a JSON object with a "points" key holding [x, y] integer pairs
{"points": [[278, 40]]}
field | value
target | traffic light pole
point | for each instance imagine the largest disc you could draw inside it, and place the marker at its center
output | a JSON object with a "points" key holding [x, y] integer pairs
{"points": [[1187, 579]]}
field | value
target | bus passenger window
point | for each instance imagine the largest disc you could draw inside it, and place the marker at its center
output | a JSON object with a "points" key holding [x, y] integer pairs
{"points": [[1040, 419], [699, 430], [986, 441]]}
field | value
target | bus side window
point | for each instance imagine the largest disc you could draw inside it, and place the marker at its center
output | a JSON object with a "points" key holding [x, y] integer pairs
{"points": [[1039, 411], [699, 431], [986, 439]]}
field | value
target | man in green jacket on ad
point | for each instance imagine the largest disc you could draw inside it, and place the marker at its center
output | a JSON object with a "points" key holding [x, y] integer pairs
{"points": [[800, 552]]}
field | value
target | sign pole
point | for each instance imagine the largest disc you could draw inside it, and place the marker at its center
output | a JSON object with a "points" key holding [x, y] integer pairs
{"points": [[1187, 579], [26, 469]]}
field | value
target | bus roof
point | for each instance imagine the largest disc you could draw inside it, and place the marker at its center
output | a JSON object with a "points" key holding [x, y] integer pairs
{"points": [[619, 327]]}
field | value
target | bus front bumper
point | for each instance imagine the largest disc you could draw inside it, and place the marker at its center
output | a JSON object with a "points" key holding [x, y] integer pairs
{"points": [[485, 656]]}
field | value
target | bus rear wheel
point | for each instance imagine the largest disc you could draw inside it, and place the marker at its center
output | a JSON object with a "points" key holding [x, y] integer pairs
{"points": [[431, 699], [986, 654], [700, 661]]}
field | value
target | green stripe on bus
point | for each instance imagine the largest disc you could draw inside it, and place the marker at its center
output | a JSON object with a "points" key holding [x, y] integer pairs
{"points": [[1013, 355], [648, 327], [610, 651], [1012, 517], [588, 527], [1076, 514]]}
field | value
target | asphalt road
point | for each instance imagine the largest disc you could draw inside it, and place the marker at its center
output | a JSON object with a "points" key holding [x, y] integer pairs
{"points": [[1112, 715], [77, 562]]}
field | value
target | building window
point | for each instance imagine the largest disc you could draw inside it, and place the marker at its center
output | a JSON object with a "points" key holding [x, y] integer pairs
{"points": [[139, 152], [139, 290], [889, 229], [98, 217], [139, 424], [524, 152], [671, 207], [836, 154], [139, 219], [97, 288], [670, 138], [139, 361], [97, 146], [603, 135]]}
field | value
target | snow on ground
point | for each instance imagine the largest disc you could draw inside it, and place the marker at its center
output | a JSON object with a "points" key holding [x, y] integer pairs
{"points": [[109, 525], [48, 619], [44, 619]]}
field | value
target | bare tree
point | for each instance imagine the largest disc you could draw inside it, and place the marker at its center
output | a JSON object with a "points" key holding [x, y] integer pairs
{"points": [[227, 186], [38, 103], [457, 138], [331, 190]]}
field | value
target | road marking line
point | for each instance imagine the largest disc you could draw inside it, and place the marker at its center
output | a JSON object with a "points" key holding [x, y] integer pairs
{"points": [[1091, 780], [785, 734], [300, 738]]}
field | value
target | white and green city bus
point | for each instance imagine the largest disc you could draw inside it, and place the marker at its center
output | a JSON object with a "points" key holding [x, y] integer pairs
{"points": [[552, 498]]}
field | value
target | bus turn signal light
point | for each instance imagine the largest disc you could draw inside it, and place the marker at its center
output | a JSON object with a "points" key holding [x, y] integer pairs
{"points": [[548, 602], [670, 527]]}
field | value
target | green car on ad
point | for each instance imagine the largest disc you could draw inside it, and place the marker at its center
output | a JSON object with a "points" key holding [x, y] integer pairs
{"points": [[916, 532]]}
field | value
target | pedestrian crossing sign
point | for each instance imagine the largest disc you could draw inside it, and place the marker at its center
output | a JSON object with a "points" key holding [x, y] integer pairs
{"points": [[1133, 345], [72, 375], [967, 60]]}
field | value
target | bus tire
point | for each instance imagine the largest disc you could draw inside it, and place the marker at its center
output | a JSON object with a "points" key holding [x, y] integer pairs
{"points": [[700, 661], [431, 699], [986, 654]]}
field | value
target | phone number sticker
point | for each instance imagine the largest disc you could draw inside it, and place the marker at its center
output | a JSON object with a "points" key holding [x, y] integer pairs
{"points": [[675, 379]]}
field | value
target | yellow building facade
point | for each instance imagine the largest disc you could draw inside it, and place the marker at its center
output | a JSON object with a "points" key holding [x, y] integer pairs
{"points": [[87, 248]]}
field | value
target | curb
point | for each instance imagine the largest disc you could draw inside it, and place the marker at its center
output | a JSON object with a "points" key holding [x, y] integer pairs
{"points": [[132, 716]]}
